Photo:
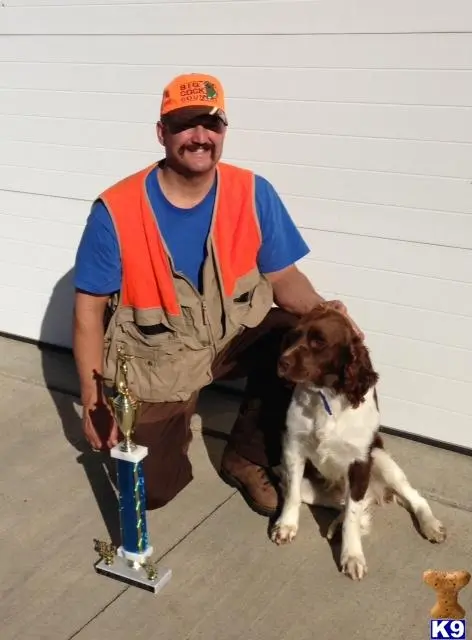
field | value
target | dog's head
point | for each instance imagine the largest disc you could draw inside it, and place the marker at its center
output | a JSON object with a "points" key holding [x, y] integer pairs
{"points": [[323, 349]]}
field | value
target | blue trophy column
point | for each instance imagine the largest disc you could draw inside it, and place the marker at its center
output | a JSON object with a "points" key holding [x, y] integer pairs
{"points": [[132, 563], [134, 536]]}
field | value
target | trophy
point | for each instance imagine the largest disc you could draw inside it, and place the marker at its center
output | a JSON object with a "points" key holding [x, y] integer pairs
{"points": [[131, 561]]}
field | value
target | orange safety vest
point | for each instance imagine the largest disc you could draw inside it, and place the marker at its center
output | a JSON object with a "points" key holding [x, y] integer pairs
{"points": [[147, 280]]}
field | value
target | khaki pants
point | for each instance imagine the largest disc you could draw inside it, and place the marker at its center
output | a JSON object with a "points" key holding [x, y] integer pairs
{"points": [[256, 434]]}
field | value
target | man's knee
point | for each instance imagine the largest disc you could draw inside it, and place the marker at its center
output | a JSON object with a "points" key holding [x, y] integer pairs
{"points": [[280, 320], [163, 485], [165, 431]]}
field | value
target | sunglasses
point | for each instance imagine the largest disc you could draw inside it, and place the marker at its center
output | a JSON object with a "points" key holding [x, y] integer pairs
{"points": [[209, 122]]}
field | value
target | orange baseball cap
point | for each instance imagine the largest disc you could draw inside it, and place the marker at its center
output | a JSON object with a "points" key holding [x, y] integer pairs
{"points": [[194, 90]]}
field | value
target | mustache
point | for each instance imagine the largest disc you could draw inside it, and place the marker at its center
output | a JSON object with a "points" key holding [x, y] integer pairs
{"points": [[206, 146]]}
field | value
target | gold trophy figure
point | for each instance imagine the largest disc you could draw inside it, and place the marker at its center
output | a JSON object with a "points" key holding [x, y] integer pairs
{"points": [[131, 562], [124, 405]]}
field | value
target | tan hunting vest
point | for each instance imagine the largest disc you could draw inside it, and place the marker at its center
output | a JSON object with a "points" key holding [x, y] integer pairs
{"points": [[169, 329]]}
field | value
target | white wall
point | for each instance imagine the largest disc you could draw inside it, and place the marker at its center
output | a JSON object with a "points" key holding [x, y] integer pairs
{"points": [[359, 113]]}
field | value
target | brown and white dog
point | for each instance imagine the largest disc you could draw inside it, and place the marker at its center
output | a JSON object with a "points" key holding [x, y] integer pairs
{"points": [[333, 422]]}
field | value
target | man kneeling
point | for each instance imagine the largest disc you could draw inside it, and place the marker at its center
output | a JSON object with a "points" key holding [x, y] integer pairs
{"points": [[185, 259]]}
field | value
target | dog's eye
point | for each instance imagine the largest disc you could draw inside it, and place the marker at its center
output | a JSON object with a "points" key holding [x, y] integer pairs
{"points": [[316, 339]]}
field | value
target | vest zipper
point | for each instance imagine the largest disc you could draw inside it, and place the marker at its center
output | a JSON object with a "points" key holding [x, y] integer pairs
{"points": [[207, 323], [206, 320], [205, 316]]}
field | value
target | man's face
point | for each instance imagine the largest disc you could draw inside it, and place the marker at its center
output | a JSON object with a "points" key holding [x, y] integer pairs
{"points": [[193, 141]]}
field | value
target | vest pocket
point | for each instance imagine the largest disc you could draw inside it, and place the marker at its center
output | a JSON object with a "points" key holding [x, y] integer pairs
{"points": [[157, 362], [249, 307], [159, 338], [161, 368]]}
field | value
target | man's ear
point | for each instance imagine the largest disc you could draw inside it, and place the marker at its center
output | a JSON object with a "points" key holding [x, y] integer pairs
{"points": [[160, 132], [359, 374]]}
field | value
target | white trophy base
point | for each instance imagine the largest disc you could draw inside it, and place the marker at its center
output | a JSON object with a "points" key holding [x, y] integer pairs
{"points": [[135, 557], [129, 570], [138, 453]]}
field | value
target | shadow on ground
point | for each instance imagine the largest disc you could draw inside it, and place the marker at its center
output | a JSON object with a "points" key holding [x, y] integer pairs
{"points": [[59, 375], [323, 518]]}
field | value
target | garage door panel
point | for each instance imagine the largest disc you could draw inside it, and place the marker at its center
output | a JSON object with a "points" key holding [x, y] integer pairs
{"points": [[398, 51], [270, 17], [42, 280], [31, 315], [44, 236], [440, 194], [57, 183], [91, 3], [72, 132], [391, 86], [343, 152], [427, 421], [380, 221], [111, 108], [418, 356], [15, 322], [18, 253], [34, 303], [411, 291], [44, 210], [354, 186], [76, 159], [416, 121], [445, 263], [443, 328], [411, 386], [361, 120]]}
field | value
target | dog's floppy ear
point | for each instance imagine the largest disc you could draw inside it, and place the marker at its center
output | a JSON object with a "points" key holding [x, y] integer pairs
{"points": [[359, 374]]}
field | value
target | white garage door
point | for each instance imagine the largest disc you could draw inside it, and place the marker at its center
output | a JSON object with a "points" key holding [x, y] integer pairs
{"points": [[359, 113]]}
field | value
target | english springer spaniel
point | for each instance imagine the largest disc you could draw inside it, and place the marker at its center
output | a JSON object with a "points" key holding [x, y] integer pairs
{"points": [[333, 423]]}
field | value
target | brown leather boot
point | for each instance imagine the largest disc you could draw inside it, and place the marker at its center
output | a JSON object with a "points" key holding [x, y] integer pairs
{"points": [[253, 481]]}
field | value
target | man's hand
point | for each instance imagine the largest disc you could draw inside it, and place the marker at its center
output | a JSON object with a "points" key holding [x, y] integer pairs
{"points": [[99, 425], [341, 307], [294, 292]]}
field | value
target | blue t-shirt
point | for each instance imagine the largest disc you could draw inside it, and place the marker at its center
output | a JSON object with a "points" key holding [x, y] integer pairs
{"points": [[185, 231]]}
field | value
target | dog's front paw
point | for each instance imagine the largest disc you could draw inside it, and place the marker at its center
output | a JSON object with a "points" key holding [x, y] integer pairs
{"points": [[283, 532], [433, 529], [354, 566]]}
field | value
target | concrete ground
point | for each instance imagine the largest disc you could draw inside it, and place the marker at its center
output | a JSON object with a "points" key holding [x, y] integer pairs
{"points": [[229, 581]]}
